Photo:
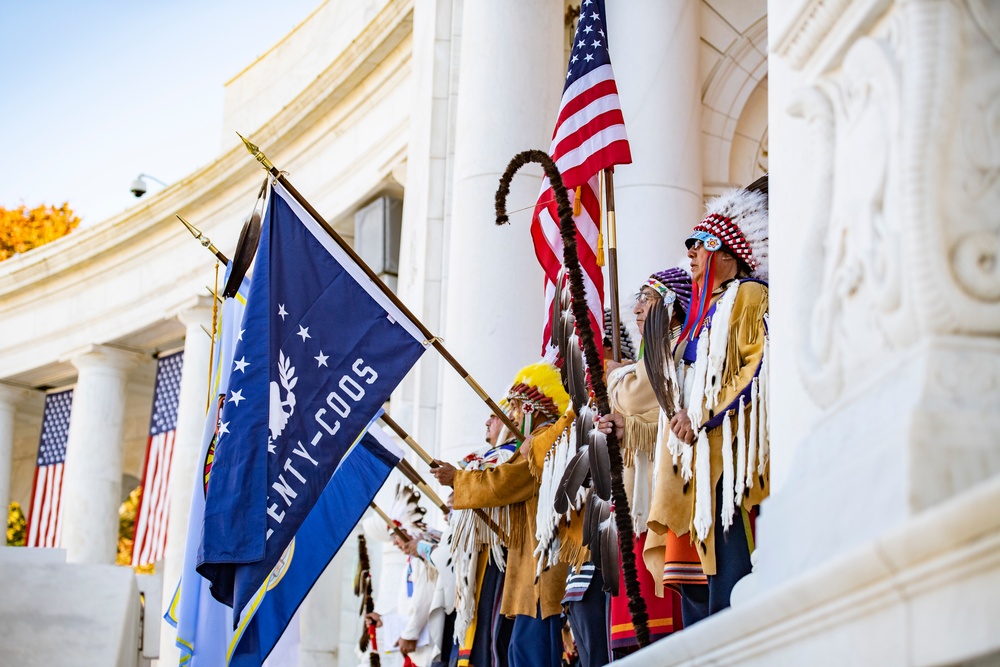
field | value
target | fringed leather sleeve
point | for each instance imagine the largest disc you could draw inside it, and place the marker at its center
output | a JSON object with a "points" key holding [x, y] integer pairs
{"points": [[571, 550], [640, 435], [506, 484]]}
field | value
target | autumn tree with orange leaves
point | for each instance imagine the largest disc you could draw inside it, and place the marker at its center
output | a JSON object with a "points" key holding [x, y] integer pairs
{"points": [[22, 229]]}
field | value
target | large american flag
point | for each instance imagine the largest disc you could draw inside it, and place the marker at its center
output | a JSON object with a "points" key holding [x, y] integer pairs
{"points": [[151, 516], [589, 137], [44, 526]]}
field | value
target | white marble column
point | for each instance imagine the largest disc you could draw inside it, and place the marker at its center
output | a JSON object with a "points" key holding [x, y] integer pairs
{"points": [[92, 479], [658, 198], [187, 449], [507, 102], [10, 396], [423, 236]]}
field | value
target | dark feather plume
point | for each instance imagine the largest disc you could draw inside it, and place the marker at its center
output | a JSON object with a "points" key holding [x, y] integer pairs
{"points": [[656, 342], [600, 464]]}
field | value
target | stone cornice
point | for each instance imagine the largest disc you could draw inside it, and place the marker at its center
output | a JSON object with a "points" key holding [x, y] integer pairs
{"points": [[360, 58], [817, 33]]}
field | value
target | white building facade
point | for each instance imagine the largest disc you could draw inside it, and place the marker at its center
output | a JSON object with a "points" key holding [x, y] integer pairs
{"points": [[881, 542]]}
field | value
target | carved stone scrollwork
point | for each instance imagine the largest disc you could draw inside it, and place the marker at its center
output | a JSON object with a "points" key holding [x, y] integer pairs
{"points": [[852, 297], [818, 310], [975, 165]]}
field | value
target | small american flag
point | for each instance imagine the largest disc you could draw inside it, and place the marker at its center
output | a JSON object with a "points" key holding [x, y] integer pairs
{"points": [[589, 137], [151, 516], [44, 526]]}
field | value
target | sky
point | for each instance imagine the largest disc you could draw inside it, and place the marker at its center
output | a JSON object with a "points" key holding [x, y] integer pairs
{"points": [[94, 93]]}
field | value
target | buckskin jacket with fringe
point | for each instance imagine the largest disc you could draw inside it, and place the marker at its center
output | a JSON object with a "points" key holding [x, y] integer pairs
{"points": [[742, 383], [515, 483]]}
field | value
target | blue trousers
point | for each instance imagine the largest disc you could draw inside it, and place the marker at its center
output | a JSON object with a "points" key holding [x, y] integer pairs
{"points": [[589, 620], [536, 642], [489, 647], [732, 563]]}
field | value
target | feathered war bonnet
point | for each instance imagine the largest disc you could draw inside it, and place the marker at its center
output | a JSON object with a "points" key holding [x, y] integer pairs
{"points": [[537, 393], [406, 513], [737, 220]]}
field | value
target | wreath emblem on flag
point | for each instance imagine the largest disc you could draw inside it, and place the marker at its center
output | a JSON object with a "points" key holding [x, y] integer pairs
{"points": [[277, 417]]}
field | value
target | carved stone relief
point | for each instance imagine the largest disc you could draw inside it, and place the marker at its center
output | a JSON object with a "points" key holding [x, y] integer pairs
{"points": [[972, 200], [852, 296], [904, 238]]}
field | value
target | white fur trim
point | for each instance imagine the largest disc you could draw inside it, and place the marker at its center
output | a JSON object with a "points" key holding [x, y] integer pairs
{"points": [[703, 487], [641, 492], [696, 401], [752, 439], [728, 506], [741, 454]]}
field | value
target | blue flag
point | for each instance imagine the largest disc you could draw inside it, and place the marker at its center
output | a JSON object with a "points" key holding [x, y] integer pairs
{"points": [[205, 625], [320, 350], [360, 475]]}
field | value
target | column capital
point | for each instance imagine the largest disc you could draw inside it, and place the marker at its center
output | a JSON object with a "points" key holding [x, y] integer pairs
{"points": [[196, 312], [104, 356], [11, 395]]}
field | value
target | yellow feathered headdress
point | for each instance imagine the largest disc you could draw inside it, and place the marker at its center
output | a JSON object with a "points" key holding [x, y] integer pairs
{"points": [[538, 388]]}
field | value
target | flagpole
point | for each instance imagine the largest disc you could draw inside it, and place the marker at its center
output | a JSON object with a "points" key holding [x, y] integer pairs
{"points": [[389, 523], [205, 241], [411, 474], [429, 460], [609, 196], [435, 341], [408, 439]]}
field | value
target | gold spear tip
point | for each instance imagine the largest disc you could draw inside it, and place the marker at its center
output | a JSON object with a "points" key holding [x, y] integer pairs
{"points": [[195, 232], [254, 150]]}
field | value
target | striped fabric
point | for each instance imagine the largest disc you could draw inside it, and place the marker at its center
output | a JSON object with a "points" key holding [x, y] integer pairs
{"points": [[675, 574], [589, 136], [577, 583], [44, 525], [151, 515]]}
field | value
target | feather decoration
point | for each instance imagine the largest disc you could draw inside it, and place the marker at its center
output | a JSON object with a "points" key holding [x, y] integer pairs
{"points": [[572, 481], [600, 464], [594, 359], [609, 553], [406, 511], [657, 357], [548, 516]]}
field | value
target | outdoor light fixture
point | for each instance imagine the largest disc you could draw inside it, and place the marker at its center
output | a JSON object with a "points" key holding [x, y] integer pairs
{"points": [[139, 185]]}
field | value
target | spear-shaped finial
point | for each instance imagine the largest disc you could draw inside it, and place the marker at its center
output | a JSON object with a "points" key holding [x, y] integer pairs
{"points": [[204, 240], [256, 152]]}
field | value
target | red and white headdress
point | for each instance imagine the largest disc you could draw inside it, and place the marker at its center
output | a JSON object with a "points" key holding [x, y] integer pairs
{"points": [[737, 220]]}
